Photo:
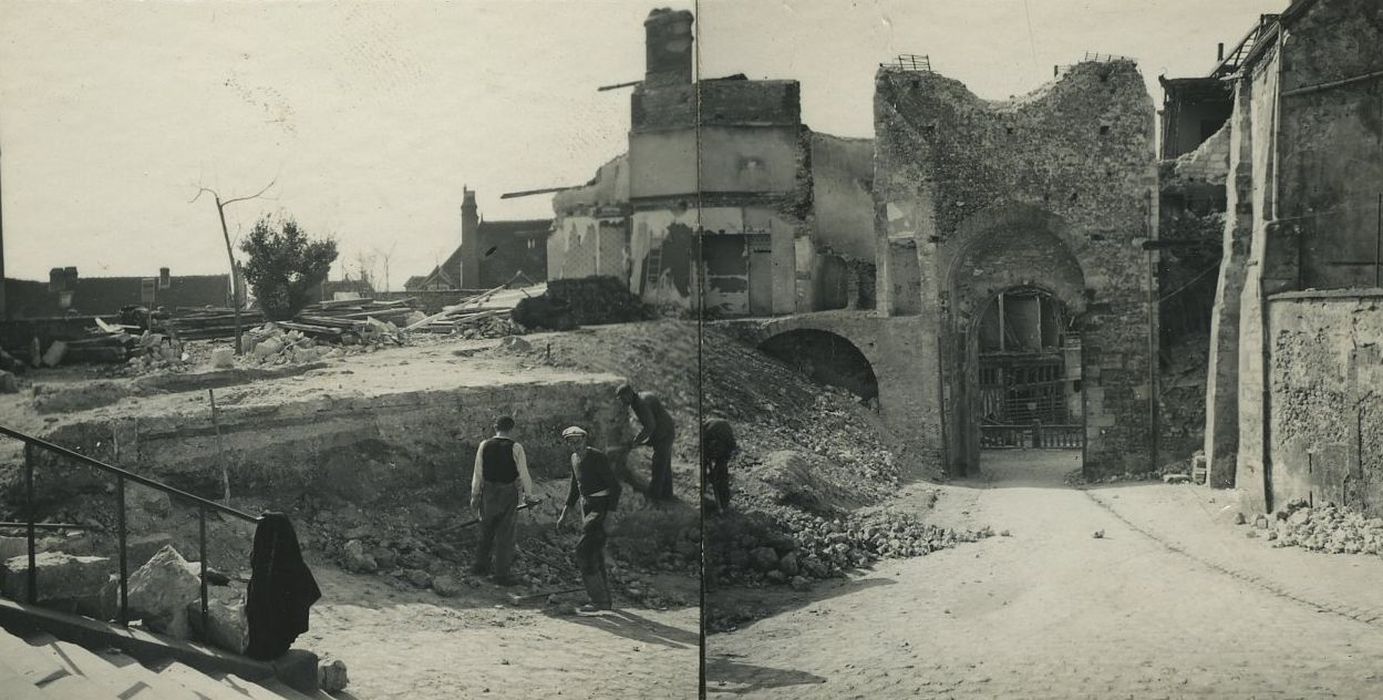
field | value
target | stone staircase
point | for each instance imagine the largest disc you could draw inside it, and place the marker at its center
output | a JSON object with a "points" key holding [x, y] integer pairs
{"points": [[41, 666]]}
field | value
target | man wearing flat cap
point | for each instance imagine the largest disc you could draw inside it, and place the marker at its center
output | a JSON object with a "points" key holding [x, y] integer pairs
{"points": [[593, 483], [658, 431]]}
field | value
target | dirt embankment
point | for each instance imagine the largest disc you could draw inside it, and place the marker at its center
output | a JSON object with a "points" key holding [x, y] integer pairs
{"points": [[812, 457]]}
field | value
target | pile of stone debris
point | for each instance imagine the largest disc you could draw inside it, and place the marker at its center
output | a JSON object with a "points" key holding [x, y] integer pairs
{"points": [[783, 545], [422, 548], [1326, 528]]}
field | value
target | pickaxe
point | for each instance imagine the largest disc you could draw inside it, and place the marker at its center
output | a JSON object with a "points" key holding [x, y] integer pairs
{"points": [[516, 599]]}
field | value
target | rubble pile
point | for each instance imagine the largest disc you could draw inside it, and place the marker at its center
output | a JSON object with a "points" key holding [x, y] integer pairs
{"points": [[472, 325], [595, 301], [1327, 528], [544, 312], [270, 344], [777, 545], [420, 546], [470, 319]]}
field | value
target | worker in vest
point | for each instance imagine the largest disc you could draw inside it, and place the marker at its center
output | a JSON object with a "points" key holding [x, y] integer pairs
{"points": [[717, 448], [658, 431], [501, 471], [593, 483]]}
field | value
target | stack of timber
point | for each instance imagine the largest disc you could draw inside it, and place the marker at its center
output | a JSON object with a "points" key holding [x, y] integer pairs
{"points": [[352, 321], [209, 322], [473, 317]]}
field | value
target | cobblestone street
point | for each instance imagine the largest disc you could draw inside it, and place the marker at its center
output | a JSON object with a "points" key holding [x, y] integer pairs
{"points": [[1172, 601]]}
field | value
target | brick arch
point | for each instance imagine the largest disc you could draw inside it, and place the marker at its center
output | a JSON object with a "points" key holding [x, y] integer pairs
{"points": [[1012, 245], [1007, 246], [861, 335]]}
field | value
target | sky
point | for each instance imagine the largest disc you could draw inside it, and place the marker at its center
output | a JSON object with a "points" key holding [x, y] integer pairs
{"points": [[369, 118]]}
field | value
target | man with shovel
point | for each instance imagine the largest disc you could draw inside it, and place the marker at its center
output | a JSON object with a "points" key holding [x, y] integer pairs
{"points": [[658, 431], [595, 485], [499, 463]]}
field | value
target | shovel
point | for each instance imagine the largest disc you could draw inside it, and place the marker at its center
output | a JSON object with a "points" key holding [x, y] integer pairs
{"points": [[516, 599], [476, 521]]}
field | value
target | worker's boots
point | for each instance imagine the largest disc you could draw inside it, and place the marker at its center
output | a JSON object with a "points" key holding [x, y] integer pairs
{"points": [[598, 591]]}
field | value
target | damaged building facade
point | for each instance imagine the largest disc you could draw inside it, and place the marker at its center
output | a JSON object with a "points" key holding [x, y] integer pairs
{"points": [[784, 214], [1293, 405], [983, 262], [1012, 233]]}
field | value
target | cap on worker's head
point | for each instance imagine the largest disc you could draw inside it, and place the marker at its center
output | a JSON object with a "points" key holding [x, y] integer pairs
{"points": [[504, 423], [624, 390], [574, 431]]}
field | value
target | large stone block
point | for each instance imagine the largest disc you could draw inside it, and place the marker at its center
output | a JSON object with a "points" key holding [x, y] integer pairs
{"points": [[60, 576], [160, 591], [226, 626]]}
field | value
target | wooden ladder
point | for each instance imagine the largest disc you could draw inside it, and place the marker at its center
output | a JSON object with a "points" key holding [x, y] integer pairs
{"points": [[654, 267]]}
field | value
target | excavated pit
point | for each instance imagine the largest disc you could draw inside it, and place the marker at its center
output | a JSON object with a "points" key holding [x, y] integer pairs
{"points": [[355, 431]]}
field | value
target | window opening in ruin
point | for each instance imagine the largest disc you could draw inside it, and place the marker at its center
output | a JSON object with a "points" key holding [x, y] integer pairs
{"points": [[1029, 392]]}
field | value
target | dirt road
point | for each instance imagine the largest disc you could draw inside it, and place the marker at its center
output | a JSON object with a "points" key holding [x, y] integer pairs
{"points": [[1054, 612], [412, 644]]}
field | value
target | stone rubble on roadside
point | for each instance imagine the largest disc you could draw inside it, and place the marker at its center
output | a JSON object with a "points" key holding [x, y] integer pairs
{"points": [[806, 546], [1326, 528], [332, 676]]}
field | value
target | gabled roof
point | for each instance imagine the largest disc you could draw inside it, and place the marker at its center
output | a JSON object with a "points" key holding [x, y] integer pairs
{"points": [[523, 227]]}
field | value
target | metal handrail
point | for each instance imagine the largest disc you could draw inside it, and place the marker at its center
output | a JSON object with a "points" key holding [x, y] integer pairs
{"points": [[121, 476], [51, 526], [141, 480]]}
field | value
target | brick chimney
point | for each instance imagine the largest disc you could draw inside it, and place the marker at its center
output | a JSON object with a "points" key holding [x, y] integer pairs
{"points": [[669, 47], [165, 280], [470, 242]]}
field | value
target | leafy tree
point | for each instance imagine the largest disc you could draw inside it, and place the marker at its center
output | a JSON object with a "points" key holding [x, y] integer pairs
{"points": [[284, 265]]}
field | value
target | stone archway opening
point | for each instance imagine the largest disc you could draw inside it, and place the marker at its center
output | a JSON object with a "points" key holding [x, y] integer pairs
{"points": [[827, 358], [1027, 389]]}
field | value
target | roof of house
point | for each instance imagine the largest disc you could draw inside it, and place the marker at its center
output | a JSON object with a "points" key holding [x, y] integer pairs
{"points": [[526, 228], [106, 295]]}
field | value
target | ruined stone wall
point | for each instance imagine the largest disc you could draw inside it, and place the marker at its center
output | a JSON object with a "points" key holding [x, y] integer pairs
{"points": [[587, 246], [1315, 122], [1326, 393], [591, 229], [1250, 475], [1053, 190], [842, 174], [1222, 374], [1331, 173]]}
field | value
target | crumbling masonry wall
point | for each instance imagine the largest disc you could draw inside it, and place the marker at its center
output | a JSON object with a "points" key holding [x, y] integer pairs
{"points": [[1326, 374], [1315, 122], [1054, 190]]}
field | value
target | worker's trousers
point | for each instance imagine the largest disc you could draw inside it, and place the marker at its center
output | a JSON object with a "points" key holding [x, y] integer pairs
{"points": [[718, 476], [590, 549], [660, 483], [499, 504]]}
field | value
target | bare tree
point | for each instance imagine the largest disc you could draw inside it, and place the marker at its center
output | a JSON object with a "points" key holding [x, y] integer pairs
{"points": [[364, 265], [384, 259], [221, 205]]}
